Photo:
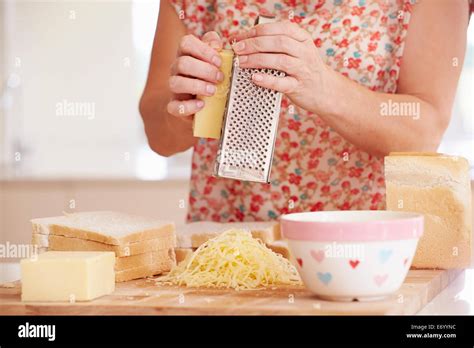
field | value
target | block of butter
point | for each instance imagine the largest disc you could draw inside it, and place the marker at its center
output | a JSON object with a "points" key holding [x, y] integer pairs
{"points": [[208, 121], [438, 186], [67, 276]]}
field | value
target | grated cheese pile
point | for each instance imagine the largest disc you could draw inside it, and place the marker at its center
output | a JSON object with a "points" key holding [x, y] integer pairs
{"points": [[234, 259]]}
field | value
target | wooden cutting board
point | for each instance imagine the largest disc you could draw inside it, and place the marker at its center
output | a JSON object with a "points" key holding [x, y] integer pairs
{"points": [[143, 297]]}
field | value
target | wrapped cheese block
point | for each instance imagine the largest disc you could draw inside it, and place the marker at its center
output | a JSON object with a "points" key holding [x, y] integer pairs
{"points": [[208, 121], [438, 186]]}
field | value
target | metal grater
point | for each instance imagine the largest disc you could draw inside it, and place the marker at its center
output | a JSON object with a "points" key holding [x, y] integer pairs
{"points": [[249, 127]]}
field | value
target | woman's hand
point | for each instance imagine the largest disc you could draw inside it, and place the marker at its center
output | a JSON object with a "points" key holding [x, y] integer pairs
{"points": [[194, 72], [181, 67], [286, 47]]}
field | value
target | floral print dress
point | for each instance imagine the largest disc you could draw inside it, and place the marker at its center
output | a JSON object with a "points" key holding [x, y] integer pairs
{"points": [[314, 168]]}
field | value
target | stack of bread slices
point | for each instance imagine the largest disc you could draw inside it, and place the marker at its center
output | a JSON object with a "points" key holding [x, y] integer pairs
{"points": [[143, 246]]}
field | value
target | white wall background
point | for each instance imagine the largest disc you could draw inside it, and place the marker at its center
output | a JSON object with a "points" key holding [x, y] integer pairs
{"points": [[459, 137], [2, 52], [90, 54], [97, 52]]}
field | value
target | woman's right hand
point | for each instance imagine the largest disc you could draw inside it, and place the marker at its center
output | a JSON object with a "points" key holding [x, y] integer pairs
{"points": [[194, 72]]}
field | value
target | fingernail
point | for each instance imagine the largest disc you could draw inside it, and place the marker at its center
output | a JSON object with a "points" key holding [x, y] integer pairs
{"points": [[215, 45], [239, 46], [257, 77], [211, 89], [243, 59], [220, 76], [200, 103], [216, 61]]}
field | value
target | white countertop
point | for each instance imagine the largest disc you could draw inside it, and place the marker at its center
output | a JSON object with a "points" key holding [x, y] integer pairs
{"points": [[456, 299]]}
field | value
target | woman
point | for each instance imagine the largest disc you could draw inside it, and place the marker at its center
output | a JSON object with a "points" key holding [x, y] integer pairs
{"points": [[349, 98]]}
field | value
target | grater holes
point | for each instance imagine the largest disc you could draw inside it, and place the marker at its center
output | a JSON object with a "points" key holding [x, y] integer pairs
{"points": [[251, 118]]}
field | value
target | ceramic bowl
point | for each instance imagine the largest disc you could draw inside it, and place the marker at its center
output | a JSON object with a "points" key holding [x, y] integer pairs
{"points": [[352, 255]]}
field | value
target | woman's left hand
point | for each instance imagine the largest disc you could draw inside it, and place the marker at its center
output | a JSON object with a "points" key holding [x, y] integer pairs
{"points": [[286, 47]]}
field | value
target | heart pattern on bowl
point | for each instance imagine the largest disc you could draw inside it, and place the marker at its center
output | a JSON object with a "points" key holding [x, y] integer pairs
{"points": [[379, 279], [300, 261], [384, 255], [342, 255], [318, 255], [325, 277], [354, 263]]}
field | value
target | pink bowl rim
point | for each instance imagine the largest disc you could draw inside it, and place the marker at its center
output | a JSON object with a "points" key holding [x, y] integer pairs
{"points": [[384, 225]]}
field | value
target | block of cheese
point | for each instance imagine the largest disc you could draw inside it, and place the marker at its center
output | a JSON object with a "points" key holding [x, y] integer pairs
{"points": [[61, 243], [107, 227], [197, 233], [208, 121], [67, 276], [438, 186], [144, 271]]}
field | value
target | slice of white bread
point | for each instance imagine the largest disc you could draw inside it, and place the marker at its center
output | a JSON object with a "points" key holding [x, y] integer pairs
{"points": [[438, 186], [186, 231], [41, 250], [195, 234], [40, 239], [148, 258], [144, 271], [107, 227], [61, 243], [133, 261], [280, 247], [182, 253]]}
